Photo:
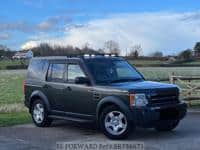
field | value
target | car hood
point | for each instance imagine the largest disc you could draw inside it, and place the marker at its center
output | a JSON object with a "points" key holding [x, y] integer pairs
{"points": [[142, 85]]}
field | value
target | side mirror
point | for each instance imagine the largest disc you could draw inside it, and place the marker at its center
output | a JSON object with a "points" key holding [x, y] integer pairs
{"points": [[82, 80]]}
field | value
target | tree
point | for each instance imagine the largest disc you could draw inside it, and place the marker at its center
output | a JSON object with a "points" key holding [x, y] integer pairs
{"points": [[112, 47], [5, 52], [197, 47], [135, 51], [44, 49], [186, 54], [101, 51], [157, 54]]}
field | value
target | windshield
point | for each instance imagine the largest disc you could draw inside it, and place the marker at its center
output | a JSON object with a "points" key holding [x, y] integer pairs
{"points": [[113, 71]]}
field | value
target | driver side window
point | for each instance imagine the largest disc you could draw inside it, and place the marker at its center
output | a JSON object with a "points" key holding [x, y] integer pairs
{"points": [[74, 70]]}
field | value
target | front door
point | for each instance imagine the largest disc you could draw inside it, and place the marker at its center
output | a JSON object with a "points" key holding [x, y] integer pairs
{"points": [[79, 98]]}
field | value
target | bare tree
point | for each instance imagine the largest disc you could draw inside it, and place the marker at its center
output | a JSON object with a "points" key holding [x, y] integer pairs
{"points": [[86, 45], [112, 47], [101, 51], [44, 49], [135, 51]]}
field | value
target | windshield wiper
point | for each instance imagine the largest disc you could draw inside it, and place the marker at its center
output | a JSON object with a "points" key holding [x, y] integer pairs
{"points": [[124, 80]]}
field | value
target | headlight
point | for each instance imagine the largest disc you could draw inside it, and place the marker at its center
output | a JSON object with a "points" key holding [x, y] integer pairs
{"points": [[138, 99], [179, 90], [180, 94]]}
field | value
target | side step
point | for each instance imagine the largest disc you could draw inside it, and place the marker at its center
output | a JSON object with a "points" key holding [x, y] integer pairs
{"points": [[71, 119]]}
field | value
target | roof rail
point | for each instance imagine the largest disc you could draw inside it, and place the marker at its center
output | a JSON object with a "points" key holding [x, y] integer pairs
{"points": [[96, 55]]}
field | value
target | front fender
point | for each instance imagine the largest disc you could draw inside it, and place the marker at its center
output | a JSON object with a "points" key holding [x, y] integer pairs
{"points": [[42, 96], [116, 101]]}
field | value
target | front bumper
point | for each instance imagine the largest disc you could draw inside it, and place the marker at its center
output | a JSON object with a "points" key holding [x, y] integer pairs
{"points": [[149, 116]]}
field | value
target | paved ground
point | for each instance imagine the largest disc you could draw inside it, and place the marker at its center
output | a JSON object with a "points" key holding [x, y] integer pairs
{"points": [[29, 137]]}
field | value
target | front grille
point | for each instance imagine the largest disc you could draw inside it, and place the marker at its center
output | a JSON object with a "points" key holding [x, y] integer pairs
{"points": [[163, 96]]}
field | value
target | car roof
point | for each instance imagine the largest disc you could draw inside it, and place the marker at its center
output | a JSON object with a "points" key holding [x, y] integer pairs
{"points": [[79, 58]]}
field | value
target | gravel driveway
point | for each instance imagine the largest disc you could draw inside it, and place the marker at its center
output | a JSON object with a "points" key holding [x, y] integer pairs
{"points": [[24, 137]]}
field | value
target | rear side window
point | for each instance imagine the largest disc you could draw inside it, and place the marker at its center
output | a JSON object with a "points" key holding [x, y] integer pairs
{"points": [[37, 69], [56, 72], [74, 70]]}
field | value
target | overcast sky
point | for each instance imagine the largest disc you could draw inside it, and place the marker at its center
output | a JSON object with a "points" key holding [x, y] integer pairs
{"points": [[168, 26]]}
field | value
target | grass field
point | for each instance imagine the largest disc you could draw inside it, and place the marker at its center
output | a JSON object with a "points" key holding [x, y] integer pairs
{"points": [[11, 81], [17, 64], [163, 73], [161, 63], [14, 118], [191, 62], [146, 62], [5, 64], [11, 86], [12, 110]]}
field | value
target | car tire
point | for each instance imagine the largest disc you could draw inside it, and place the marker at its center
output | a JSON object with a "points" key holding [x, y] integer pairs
{"points": [[167, 126], [114, 123], [39, 114]]}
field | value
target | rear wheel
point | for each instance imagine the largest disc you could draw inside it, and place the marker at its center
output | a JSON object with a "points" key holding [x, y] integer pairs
{"points": [[167, 126], [39, 114], [114, 123]]}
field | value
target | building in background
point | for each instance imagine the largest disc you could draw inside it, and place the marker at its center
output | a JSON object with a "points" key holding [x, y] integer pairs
{"points": [[25, 54]]}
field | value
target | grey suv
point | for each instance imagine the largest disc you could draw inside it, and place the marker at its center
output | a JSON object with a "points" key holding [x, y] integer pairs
{"points": [[105, 90]]}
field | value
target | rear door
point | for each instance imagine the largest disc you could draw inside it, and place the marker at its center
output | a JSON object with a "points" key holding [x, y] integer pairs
{"points": [[55, 86]]}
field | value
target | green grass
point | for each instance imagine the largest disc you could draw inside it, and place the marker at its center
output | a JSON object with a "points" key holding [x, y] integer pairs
{"points": [[139, 62], [10, 119], [11, 86], [191, 62], [11, 96], [13, 64], [163, 73], [11, 81], [4, 63], [165, 63], [12, 109]]}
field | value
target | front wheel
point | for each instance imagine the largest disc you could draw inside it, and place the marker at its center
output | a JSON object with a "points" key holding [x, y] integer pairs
{"points": [[39, 114], [167, 126], [114, 123]]}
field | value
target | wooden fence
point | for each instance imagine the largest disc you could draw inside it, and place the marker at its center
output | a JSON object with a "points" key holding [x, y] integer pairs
{"points": [[190, 86]]}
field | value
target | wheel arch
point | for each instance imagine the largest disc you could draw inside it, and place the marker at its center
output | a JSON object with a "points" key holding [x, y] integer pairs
{"points": [[39, 95], [112, 100]]}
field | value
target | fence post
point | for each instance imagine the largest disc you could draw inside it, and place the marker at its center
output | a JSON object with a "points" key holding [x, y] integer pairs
{"points": [[171, 78]]}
